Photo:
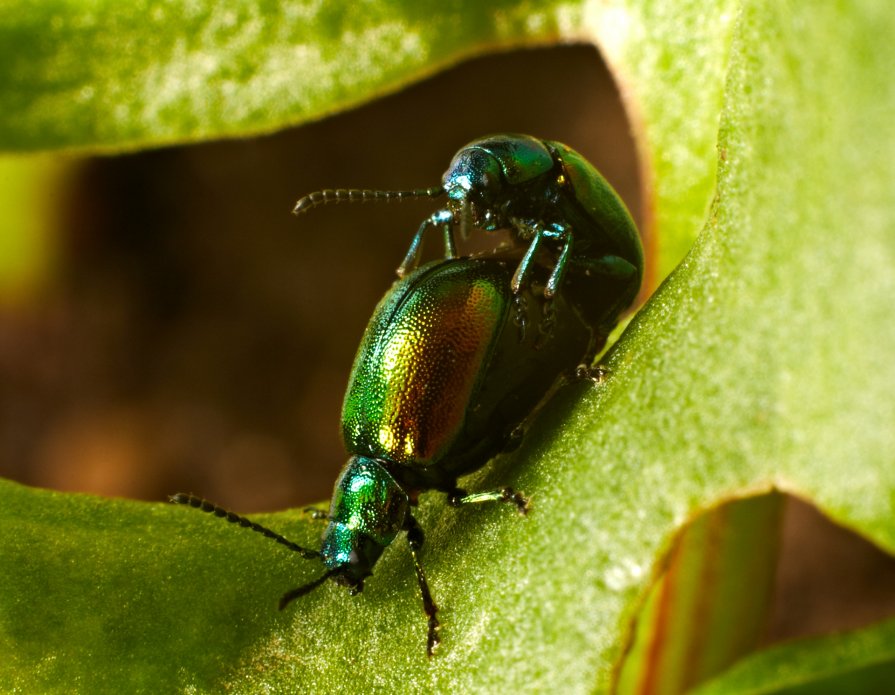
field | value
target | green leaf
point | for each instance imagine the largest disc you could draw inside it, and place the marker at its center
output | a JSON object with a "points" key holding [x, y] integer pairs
{"points": [[27, 222], [861, 662], [102, 76], [712, 601], [763, 362]]}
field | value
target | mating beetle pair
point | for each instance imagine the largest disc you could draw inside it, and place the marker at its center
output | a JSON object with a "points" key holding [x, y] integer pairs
{"points": [[446, 372]]}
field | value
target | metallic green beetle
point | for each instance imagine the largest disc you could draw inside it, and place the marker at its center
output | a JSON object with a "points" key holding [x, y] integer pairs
{"points": [[539, 190], [446, 374]]}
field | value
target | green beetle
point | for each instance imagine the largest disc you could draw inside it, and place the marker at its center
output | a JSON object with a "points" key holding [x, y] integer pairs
{"points": [[539, 190], [446, 372]]}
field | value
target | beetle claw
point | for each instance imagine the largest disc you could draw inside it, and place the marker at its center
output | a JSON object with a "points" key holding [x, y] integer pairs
{"points": [[597, 374], [520, 314]]}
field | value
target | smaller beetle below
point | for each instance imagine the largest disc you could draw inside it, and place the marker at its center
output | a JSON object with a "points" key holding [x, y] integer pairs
{"points": [[446, 375]]}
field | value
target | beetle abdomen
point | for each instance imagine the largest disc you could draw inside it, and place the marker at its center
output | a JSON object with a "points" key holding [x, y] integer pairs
{"points": [[421, 359]]}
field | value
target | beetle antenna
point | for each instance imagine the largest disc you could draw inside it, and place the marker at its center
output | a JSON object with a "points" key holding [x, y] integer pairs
{"points": [[211, 508], [360, 195], [290, 596]]}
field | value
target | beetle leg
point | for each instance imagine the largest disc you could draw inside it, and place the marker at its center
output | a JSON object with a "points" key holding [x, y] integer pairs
{"points": [[520, 277], [553, 283], [450, 248], [537, 234], [316, 514], [415, 540], [464, 220], [596, 374], [442, 218], [520, 314], [547, 324], [514, 438], [457, 497]]}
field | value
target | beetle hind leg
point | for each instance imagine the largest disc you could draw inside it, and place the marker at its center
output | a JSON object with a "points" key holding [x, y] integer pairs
{"points": [[317, 514]]}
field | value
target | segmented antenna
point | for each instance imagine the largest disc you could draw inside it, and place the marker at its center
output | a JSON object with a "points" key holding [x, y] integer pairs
{"points": [[206, 506], [360, 195]]}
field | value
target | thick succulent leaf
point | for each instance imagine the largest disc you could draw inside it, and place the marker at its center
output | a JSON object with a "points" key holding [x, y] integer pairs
{"points": [[764, 361], [102, 76], [711, 601], [856, 663]]}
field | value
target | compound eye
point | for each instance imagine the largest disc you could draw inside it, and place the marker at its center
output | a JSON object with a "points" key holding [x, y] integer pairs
{"points": [[475, 175], [489, 176], [489, 183]]}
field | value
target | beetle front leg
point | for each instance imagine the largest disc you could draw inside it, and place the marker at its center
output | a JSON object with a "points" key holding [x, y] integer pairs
{"points": [[525, 231], [415, 540], [537, 234], [439, 218], [564, 234], [520, 278]]}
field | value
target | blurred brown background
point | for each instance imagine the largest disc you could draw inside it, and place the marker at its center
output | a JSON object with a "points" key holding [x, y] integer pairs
{"points": [[197, 337]]}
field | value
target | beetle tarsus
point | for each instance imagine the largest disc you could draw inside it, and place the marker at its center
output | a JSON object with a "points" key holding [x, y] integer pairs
{"points": [[458, 497], [597, 374], [547, 323], [520, 314]]}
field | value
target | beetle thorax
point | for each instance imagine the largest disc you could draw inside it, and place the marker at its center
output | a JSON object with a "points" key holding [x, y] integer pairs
{"points": [[369, 508]]}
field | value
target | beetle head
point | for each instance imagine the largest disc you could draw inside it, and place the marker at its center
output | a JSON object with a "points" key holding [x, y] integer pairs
{"points": [[351, 554], [474, 185]]}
